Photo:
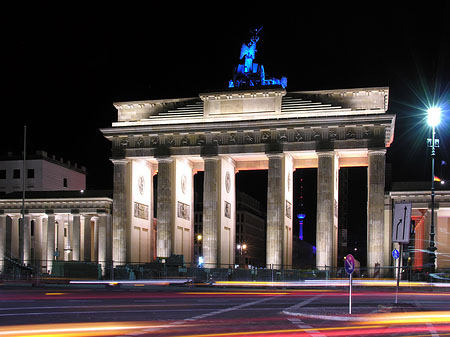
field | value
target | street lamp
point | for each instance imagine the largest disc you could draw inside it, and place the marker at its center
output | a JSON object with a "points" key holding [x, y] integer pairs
{"points": [[242, 249], [434, 117]]}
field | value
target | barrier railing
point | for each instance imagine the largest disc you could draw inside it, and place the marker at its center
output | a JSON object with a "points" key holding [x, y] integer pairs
{"points": [[105, 270]]}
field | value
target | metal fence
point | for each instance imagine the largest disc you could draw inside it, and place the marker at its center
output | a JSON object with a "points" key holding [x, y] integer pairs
{"points": [[74, 270]]}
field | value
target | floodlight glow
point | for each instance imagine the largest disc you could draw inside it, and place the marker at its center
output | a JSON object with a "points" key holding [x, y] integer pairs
{"points": [[434, 116]]}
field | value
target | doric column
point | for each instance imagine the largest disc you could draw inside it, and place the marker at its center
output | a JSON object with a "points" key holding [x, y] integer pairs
{"points": [[164, 208], [375, 209], [25, 239], [327, 205], [275, 212], [60, 239], [2, 242], [75, 235], [120, 210], [37, 240], [15, 236], [211, 208], [94, 240], [102, 240], [108, 237], [279, 211], [50, 240], [87, 237], [44, 226]]}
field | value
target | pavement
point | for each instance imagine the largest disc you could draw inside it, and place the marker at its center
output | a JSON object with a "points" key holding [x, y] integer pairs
{"points": [[342, 312]]}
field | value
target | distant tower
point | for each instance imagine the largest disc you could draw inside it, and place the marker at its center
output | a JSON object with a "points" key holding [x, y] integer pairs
{"points": [[301, 215]]}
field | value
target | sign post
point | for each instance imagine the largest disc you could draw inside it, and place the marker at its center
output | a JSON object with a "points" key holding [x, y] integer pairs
{"points": [[400, 234], [349, 264], [396, 255]]}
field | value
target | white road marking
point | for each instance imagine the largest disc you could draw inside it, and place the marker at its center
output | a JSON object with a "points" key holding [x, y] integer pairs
{"points": [[209, 314]]}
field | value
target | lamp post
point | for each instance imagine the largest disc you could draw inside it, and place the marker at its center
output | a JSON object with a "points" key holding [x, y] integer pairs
{"points": [[242, 249], [434, 117]]}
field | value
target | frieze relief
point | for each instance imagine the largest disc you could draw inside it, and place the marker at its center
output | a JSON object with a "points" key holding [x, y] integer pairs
{"points": [[254, 137]]}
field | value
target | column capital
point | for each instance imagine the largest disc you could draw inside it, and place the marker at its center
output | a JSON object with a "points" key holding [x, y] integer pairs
{"points": [[377, 152], [164, 160], [119, 161], [211, 158], [275, 155], [326, 153]]}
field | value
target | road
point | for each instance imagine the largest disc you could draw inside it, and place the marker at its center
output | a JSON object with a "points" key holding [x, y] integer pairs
{"points": [[207, 311]]}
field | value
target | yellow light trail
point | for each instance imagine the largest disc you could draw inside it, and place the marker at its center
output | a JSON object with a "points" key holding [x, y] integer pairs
{"points": [[409, 318], [73, 329]]}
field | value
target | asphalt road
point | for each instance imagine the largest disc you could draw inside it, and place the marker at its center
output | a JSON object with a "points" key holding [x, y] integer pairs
{"points": [[193, 311]]}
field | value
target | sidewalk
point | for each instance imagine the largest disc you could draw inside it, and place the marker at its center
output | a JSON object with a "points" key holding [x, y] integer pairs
{"points": [[341, 312]]}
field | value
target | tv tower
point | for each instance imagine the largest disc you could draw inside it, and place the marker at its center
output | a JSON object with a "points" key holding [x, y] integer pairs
{"points": [[301, 215]]}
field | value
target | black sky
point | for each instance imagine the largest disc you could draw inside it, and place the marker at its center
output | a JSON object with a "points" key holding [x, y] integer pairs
{"points": [[64, 66]]}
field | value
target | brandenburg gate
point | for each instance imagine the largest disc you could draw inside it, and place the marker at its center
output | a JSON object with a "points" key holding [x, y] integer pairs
{"points": [[253, 125], [221, 133]]}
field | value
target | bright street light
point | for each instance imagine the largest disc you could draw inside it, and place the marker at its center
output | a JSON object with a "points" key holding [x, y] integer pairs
{"points": [[434, 117]]}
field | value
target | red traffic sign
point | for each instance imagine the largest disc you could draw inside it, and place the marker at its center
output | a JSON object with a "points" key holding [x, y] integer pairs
{"points": [[349, 264]]}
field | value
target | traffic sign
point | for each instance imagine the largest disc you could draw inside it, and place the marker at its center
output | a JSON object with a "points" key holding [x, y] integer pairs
{"points": [[395, 254], [402, 223], [349, 264]]}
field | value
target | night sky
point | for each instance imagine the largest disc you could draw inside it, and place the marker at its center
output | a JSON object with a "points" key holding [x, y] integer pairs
{"points": [[63, 67]]}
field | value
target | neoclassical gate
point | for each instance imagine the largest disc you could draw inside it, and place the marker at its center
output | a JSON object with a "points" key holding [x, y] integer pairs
{"points": [[224, 132]]}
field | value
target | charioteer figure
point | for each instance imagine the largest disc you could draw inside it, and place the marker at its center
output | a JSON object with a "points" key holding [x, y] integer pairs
{"points": [[252, 74]]}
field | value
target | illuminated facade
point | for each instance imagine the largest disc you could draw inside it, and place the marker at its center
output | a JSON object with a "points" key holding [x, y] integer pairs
{"points": [[418, 194], [58, 225], [222, 133]]}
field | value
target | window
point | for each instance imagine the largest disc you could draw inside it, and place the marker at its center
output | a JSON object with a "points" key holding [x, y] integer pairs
{"points": [[32, 227], [30, 173], [16, 174], [2, 174], [65, 182]]}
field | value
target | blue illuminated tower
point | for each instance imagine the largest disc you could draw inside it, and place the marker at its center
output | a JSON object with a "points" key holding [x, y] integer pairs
{"points": [[301, 215], [250, 74]]}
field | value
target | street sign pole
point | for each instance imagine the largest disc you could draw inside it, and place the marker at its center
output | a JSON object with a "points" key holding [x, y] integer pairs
{"points": [[398, 272], [350, 296], [349, 265]]}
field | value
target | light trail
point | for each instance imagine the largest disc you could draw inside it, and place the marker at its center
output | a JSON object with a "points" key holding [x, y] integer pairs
{"points": [[74, 329]]}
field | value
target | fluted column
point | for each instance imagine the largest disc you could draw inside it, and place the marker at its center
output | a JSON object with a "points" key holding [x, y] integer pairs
{"points": [[44, 229], [60, 239], [87, 238], [94, 242], [38, 230], [15, 236], [275, 212], [2, 242], [50, 241], [375, 209], [120, 210], [75, 236], [25, 239], [211, 208], [326, 228], [102, 240], [164, 208]]}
